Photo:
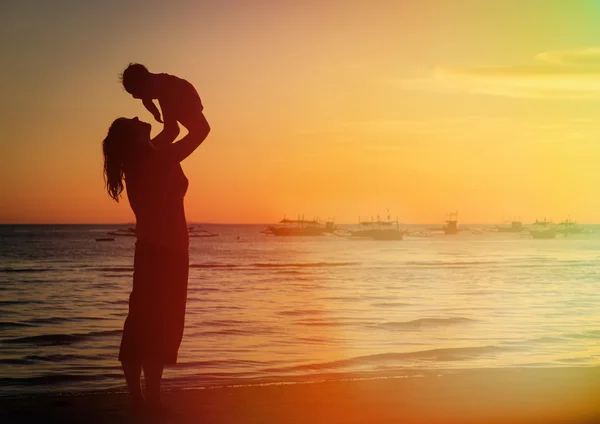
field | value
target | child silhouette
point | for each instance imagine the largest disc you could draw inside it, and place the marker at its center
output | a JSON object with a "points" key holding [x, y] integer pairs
{"points": [[178, 100]]}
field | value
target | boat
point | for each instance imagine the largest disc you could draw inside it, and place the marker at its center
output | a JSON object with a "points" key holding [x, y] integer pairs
{"points": [[193, 233], [451, 226], [543, 233], [300, 227], [123, 232], [543, 223], [378, 230], [514, 227], [569, 227], [105, 239]]}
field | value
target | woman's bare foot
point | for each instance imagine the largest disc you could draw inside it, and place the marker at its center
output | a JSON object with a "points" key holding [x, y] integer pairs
{"points": [[161, 410], [138, 406]]}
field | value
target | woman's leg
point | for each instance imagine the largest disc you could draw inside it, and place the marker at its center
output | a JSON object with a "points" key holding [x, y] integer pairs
{"points": [[133, 373], [152, 376]]}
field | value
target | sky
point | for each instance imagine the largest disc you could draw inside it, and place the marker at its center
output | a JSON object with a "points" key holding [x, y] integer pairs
{"points": [[330, 109]]}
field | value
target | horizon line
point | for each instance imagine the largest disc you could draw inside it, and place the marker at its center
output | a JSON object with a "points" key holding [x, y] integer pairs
{"points": [[269, 223]]}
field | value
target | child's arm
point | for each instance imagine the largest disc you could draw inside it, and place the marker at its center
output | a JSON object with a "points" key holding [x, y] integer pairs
{"points": [[170, 131], [149, 104]]}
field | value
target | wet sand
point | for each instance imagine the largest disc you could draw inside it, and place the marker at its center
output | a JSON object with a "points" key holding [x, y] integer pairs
{"points": [[555, 395]]}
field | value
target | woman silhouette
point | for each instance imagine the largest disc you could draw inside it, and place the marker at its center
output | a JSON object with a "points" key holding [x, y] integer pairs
{"points": [[155, 185]]}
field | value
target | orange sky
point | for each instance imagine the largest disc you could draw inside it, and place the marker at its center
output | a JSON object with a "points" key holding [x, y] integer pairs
{"points": [[326, 108]]}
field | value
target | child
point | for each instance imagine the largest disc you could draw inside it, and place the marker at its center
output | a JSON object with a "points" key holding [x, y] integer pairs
{"points": [[177, 98]]}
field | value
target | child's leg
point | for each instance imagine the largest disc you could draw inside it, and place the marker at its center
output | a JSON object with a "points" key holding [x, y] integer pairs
{"points": [[191, 116]]}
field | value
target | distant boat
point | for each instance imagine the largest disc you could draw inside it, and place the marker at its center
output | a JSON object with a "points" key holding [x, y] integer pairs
{"points": [[300, 227], [543, 233], [378, 230], [543, 223], [451, 226], [515, 227], [569, 227], [105, 239], [192, 232], [123, 232]]}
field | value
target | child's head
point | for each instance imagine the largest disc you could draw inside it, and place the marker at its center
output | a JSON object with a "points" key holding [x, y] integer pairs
{"points": [[135, 80]]}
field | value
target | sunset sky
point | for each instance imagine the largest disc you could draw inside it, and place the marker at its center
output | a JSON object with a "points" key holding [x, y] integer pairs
{"points": [[327, 108]]}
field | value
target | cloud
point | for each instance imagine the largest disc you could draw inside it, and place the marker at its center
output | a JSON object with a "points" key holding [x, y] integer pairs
{"points": [[389, 134], [571, 74], [388, 126], [585, 57]]}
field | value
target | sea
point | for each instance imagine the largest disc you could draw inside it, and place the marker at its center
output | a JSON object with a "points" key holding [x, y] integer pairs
{"points": [[277, 310]]}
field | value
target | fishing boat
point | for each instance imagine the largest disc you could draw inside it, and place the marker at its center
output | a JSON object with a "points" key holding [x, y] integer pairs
{"points": [[123, 232], [300, 227], [378, 229], [193, 233], [451, 226], [543, 233], [543, 223], [514, 227], [569, 227]]}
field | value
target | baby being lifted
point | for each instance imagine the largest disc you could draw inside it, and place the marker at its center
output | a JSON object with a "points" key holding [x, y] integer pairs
{"points": [[178, 99]]}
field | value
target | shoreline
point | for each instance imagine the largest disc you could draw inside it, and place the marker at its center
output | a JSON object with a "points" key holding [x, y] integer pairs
{"points": [[515, 395]]}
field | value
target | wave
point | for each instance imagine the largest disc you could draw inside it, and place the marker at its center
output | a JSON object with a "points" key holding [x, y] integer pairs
{"points": [[15, 361], [234, 332], [227, 332], [199, 266], [540, 340], [113, 269], [334, 322], [318, 323], [272, 265], [423, 323], [587, 334], [431, 355], [61, 339], [224, 323], [8, 324], [314, 340], [301, 312], [390, 304], [34, 359], [27, 270], [63, 358], [344, 298], [17, 302], [476, 293], [53, 379], [226, 363], [214, 266], [303, 265], [450, 263], [60, 320]]}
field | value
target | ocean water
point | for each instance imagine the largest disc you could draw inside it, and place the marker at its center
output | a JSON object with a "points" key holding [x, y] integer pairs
{"points": [[264, 309]]}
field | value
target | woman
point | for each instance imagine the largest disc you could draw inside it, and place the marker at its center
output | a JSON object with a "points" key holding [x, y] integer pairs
{"points": [[155, 185]]}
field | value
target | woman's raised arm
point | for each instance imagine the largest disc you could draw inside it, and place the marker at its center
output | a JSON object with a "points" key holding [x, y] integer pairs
{"points": [[183, 148]]}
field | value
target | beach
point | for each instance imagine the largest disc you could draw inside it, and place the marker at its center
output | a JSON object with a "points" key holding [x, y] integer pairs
{"points": [[561, 395]]}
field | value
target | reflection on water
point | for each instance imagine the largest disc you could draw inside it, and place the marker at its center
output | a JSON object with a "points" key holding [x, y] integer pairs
{"points": [[262, 308]]}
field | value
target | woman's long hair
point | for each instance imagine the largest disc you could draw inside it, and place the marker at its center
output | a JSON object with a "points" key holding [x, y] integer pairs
{"points": [[115, 148]]}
